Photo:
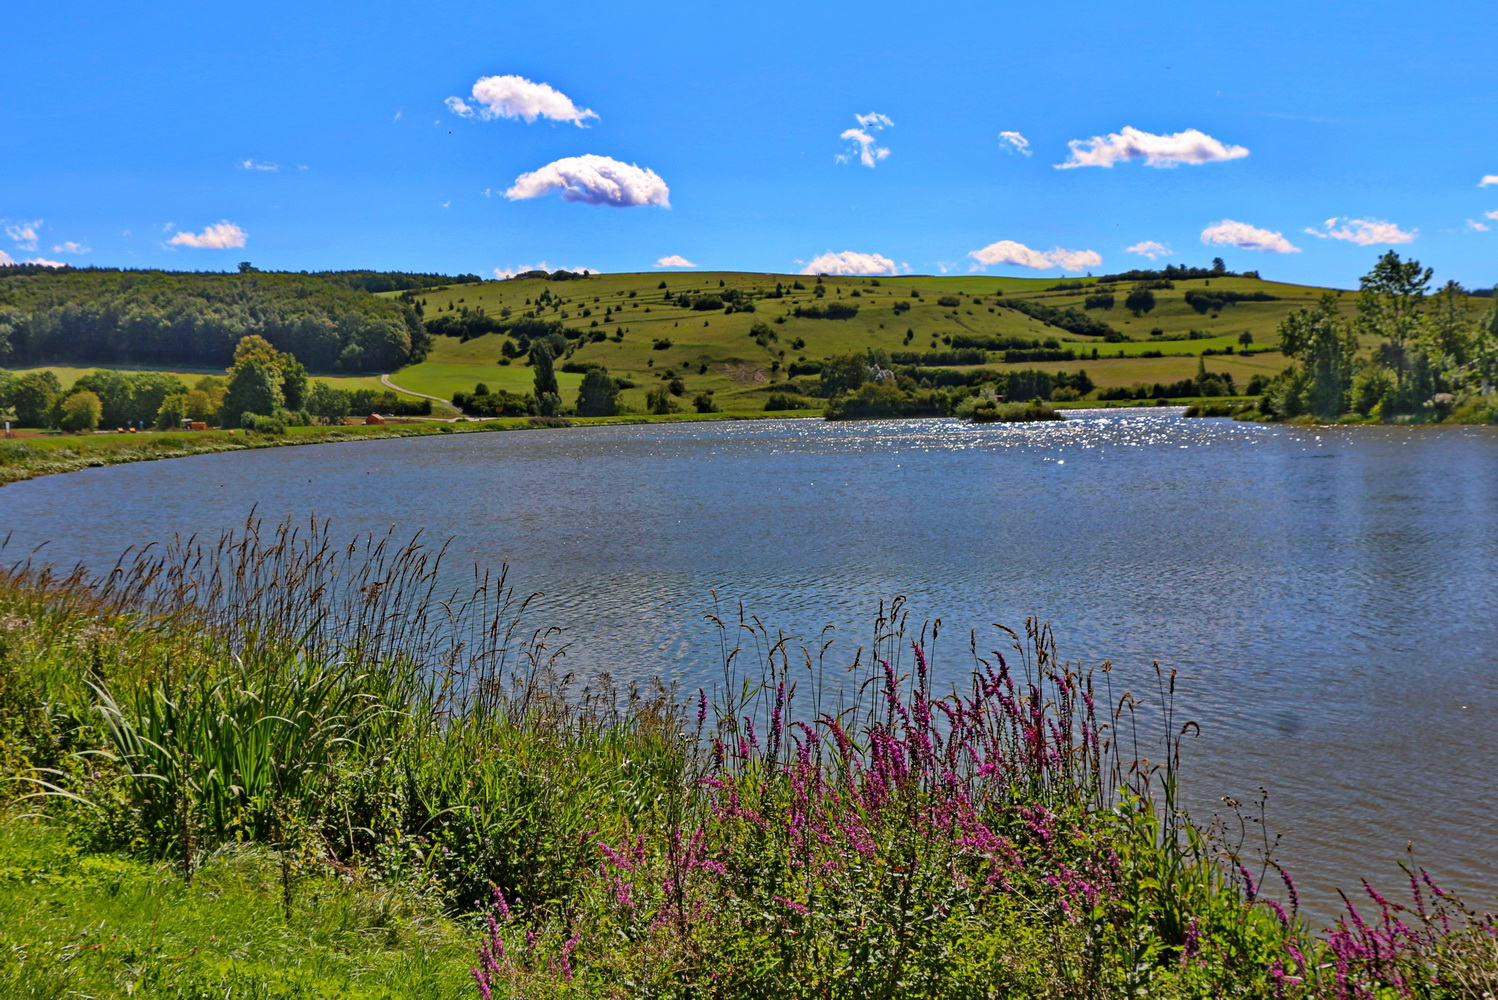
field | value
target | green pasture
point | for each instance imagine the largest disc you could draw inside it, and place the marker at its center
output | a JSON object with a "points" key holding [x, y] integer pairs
{"points": [[648, 339]]}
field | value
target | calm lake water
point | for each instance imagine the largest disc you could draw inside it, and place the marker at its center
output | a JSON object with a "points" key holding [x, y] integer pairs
{"points": [[1328, 595]]}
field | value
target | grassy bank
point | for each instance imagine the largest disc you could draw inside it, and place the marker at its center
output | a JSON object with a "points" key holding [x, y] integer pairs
{"points": [[283, 764]]}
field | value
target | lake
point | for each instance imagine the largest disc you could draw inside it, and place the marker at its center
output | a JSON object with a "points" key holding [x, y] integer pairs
{"points": [[1326, 594]]}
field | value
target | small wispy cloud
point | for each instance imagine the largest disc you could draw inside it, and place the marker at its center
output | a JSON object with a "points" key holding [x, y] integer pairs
{"points": [[221, 236], [594, 180], [259, 165], [70, 247], [1013, 142], [1246, 237], [1190, 146], [851, 262], [1151, 249], [674, 260], [24, 233], [863, 147], [517, 97], [1478, 227], [1363, 232], [1019, 255], [1488, 180], [448, 203]]}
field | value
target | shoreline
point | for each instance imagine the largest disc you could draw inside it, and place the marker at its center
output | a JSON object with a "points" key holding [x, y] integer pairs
{"points": [[22, 459]]}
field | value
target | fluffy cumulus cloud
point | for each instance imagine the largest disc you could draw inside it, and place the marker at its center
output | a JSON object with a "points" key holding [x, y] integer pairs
{"points": [[1190, 146], [1363, 232], [505, 273], [7, 260], [259, 165], [851, 262], [1013, 142], [596, 180], [862, 145], [1019, 255], [24, 233], [70, 247], [1151, 249], [517, 97], [674, 260], [1245, 237], [1488, 180], [222, 236]]}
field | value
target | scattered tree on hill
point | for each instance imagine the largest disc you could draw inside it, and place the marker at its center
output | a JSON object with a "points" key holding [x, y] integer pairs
{"points": [[1140, 301]]}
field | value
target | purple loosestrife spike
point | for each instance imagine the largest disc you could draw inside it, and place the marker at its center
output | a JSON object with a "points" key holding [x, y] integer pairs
{"points": [[1249, 889]]}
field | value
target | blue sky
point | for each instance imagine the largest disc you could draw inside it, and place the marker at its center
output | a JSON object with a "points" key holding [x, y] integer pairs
{"points": [[308, 136]]}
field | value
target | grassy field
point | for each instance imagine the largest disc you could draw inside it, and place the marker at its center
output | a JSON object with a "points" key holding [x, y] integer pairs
{"points": [[650, 339]]}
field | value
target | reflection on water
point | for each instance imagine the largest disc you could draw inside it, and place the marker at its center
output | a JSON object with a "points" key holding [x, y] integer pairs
{"points": [[1325, 593]]}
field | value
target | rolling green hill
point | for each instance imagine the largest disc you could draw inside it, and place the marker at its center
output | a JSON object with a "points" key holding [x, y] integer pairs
{"points": [[643, 332]]}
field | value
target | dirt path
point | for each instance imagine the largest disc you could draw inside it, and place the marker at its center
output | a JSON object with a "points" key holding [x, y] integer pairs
{"points": [[385, 381]]}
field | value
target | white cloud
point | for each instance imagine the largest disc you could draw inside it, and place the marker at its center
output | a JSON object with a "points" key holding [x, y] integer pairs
{"points": [[505, 273], [258, 165], [1151, 249], [218, 237], [596, 180], [397, 117], [1190, 146], [6, 260], [24, 233], [1480, 227], [1010, 252], [448, 203], [1363, 232], [1013, 142], [851, 262], [1246, 237], [517, 97], [1488, 180], [675, 260], [70, 247], [863, 146], [1492, 215]]}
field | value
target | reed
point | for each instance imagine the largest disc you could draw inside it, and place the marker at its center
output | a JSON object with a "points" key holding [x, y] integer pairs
{"points": [[806, 827]]}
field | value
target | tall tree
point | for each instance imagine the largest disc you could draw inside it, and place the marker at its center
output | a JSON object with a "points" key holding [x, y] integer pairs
{"points": [[1391, 301], [254, 387], [548, 392], [1324, 344], [599, 394]]}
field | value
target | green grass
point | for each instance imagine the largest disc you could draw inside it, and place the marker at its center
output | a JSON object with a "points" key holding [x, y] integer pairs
{"points": [[108, 925]]}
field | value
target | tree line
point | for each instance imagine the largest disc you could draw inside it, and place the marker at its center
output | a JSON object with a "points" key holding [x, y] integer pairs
{"points": [[1434, 353], [196, 319]]}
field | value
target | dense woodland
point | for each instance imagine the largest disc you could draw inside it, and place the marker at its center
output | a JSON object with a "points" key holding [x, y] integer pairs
{"points": [[329, 321]]}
